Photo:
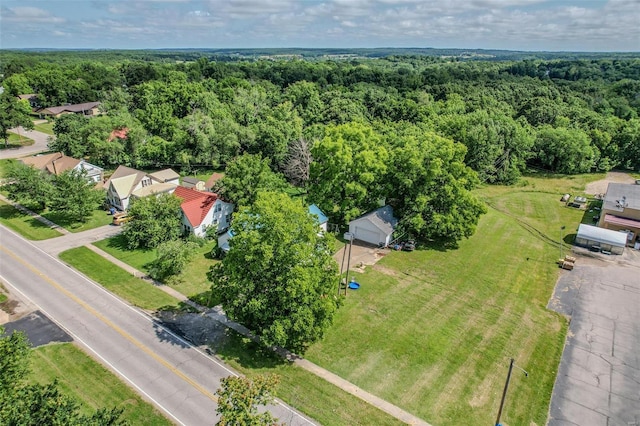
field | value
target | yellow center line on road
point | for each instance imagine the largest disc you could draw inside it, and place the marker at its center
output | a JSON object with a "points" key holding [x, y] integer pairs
{"points": [[119, 330]]}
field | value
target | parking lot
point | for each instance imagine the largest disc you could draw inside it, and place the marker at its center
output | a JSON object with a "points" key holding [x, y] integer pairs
{"points": [[598, 382]]}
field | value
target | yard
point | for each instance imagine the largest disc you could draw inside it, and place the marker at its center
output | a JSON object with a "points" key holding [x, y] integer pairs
{"points": [[98, 218], [89, 382], [192, 282], [433, 330], [46, 127], [25, 225], [138, 292]]}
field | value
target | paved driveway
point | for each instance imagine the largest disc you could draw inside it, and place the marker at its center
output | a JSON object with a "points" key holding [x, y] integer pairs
{"points": [[598, 382]]}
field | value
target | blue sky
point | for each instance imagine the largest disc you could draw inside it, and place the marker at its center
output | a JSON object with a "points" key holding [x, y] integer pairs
{"points": [[587, 25]]}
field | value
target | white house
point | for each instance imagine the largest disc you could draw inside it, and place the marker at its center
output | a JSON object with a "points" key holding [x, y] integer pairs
{"points": [[203, 210], [57, 163], [126, 183], [375, 227]]}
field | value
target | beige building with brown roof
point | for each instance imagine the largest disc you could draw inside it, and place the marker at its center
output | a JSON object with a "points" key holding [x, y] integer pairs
{"points": [[57, 163]]}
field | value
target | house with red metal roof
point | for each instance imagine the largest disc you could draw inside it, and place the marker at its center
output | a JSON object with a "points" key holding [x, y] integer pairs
{"points": [[202, 211]]}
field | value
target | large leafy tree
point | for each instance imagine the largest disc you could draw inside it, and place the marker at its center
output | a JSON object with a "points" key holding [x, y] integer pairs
{"points": [[29, 186], [74, 195], [154, 220], [431, 187], [239, 399], [347, 174], [246, 176], [564, 150], [22, 404], [278, 278], [13, 113]]}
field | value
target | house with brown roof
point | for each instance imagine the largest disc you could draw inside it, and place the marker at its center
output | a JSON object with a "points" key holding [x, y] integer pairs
{"points": [[57, 163], [127, 183], [87, 108], [202, 211]]}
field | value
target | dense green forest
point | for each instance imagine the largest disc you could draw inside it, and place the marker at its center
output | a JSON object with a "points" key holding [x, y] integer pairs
{"points": [[419, 130]]}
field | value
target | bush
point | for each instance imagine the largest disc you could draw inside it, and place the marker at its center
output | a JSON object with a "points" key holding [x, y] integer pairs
{"points": [[173, 256]]}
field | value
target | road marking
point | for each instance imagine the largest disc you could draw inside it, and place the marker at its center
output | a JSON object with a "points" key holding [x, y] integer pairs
{"points": [[145, 316], [96, 353], [119, 330]]}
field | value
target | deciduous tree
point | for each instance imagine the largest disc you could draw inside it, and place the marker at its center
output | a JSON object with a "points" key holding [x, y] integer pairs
{"points": [[154, 220], [245, 177], [13, 113], [22, 404], [240, 397], [29, 186], [278, 278], [75, 196]]}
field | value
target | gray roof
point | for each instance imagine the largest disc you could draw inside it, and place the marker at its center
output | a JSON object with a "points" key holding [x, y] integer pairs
{"points": [[602, 235], [382, 218], [621, 195]]}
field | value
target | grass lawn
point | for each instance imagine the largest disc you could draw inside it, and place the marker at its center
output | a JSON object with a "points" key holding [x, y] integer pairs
{"points": [[45, 127], [433, 330], [192, 282], [306, 392], [118, 281], [16, 141], [25, 225], [98, 218], [90, 383]]}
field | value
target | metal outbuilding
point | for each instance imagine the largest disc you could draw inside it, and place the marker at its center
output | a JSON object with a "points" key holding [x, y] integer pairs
{"points": [[601, 239]]}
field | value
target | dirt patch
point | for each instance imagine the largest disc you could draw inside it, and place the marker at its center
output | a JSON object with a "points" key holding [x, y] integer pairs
{"points": [[600, 186], [196, 328], [386, 271]]}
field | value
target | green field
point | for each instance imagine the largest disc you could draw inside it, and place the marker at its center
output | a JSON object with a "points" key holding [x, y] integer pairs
{"points": [[90, 383], [138, 292], [25, 225], [433, 330], [191, 282]]}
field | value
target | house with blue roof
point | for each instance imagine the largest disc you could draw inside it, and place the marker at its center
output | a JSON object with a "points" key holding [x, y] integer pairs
{"points": [[321, 219]]}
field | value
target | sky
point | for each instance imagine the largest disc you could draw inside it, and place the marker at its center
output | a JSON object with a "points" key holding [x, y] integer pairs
{"points": [[533, 25]]}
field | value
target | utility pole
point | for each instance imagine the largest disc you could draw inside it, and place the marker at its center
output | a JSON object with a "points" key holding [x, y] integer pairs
{"points": [[561, 229], [506, 386]]}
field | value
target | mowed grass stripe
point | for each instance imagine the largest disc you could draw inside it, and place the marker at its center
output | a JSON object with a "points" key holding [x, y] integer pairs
{"points": [[435, 332]]}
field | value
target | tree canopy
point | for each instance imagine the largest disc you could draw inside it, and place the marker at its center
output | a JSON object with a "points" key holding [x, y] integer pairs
{"points": [[278, 278], [37, 404], [154, 220]]}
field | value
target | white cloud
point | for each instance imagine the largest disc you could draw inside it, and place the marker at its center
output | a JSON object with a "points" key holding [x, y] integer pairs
{"points": [[29, 14]]}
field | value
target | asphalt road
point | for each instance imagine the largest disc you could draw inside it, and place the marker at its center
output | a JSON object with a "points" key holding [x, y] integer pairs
{"points": [[179, 379], [40, 144], [598, 382]]}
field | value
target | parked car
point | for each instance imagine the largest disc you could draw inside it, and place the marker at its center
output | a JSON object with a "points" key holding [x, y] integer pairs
{"points": [[409, 245], [120, 218]]}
